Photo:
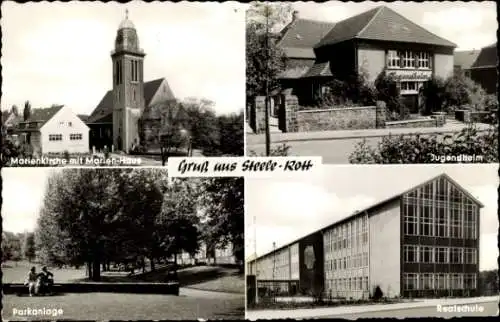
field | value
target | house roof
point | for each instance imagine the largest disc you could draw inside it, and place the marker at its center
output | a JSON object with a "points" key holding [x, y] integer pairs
{"points": [[83, 117], [381, 204], [38, 118], [319, 70], [294, 72], [465, 59], [303, 34], [104, 110], [384, 24], [487, 57]]}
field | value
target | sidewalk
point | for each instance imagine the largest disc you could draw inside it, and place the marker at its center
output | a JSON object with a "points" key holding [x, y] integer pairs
{"points": [[257, 139], [353, 309]]}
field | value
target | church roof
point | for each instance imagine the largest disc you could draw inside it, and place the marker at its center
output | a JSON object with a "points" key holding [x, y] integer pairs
{"points": [[103, 113], [384, 24]]}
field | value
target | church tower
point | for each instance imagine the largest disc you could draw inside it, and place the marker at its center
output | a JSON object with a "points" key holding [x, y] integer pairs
{"points": [[128, 86]]}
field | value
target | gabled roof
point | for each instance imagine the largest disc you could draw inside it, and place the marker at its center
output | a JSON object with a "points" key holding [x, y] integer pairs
{"points": [[378, 205], [83, 117], [303, 34], [104, 110], [384, 24], [487, 57], [319, 70], [465, 59]]}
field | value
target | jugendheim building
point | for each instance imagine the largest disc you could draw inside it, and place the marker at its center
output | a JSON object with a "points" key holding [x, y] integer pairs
{"points": [[423, 242]]}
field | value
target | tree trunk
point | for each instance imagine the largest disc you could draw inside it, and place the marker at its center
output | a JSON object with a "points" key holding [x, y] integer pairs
{"points": [[89, 270], [152, 264], [96, 270]]}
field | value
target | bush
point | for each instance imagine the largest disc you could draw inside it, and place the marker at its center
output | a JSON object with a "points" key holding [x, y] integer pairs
{"points": [[460, 90], [280, 151], [377, 293], [66, 155], [434, 95], [420, 149], [387, 90]]}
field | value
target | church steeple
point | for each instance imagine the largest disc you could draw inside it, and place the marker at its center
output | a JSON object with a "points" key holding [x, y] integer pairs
{"points": [[128, 84]]}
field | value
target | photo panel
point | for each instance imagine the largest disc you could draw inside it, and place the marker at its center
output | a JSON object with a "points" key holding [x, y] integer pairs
{"points": [[417, 240], [94, 84], [123, 243], [373, 82]]}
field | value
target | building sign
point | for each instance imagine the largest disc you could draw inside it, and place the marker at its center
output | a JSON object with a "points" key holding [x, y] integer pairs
{"points": [[309, 258], [411, 75]]}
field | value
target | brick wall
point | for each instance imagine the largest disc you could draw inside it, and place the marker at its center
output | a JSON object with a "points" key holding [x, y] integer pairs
{"points": [[287, 116], [348, 118], [257, 114]]}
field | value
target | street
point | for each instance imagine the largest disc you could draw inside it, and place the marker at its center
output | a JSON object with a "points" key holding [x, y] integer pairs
{"points": [[190, 304], [334, 151]]}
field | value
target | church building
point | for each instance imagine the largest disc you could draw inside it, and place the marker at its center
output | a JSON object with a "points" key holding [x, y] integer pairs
{"points": [[116, 119]]}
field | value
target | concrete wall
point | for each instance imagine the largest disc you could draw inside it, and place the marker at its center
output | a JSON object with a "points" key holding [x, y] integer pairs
{"points": [[348, 118], [372, 61], [65, 122], [425, 122], [443, 65], [385, 250]]}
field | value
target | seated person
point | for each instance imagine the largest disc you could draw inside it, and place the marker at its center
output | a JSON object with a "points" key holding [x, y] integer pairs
{"points": [[31, 281], [47, 279]]}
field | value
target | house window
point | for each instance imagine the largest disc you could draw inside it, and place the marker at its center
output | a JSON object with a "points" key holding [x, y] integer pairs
{"points": [[393, 59], [456, 281], [118, 72], [410, 219], [408, 59], [470, 281], [75, 136], [55, 137], [135, 70], [70, 124], [441, 223], [423, 60], [440, 281], [456, 255], [426, 220], [410, 253]]}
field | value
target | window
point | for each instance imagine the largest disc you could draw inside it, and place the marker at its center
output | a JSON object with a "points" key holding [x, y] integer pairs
{"points": [[410, 219], [455, 222], [410, 281], [440, 281], [426, 281], [408, 59], [470, 281], [470, 222], [70, 124], [456, 281], [393, 59], [55, 137], [365, 283], [75, 136], [426, 254], [425, 221], [345, 263], [456, 255], [118, 72], [423, 60], [410, 253], [470, 255], [442, 255], [135, 70], [441, 223], [360, 283]]}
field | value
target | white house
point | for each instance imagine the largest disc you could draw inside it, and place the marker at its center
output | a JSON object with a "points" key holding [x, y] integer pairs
{"points": [[55, 130]]}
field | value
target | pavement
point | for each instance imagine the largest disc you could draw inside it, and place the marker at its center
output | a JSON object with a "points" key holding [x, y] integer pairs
{"points": [[430, 305], [279, 137]]}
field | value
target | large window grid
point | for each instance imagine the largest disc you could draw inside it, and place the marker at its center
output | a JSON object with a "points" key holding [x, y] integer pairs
{"points": [[410, 254], [439, 281]]}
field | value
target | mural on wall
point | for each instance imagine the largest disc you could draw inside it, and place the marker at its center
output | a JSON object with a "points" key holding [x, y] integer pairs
{"points": [[309, 257]]}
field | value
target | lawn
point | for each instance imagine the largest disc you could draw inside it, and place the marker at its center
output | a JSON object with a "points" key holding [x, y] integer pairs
{"points": [[209, 278], [110, 306]]}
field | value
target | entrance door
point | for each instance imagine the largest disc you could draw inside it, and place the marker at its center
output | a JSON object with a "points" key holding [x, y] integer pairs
{"points": [[411, 102]]}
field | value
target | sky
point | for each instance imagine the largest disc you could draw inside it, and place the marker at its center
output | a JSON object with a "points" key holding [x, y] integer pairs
{"points": [[284, 210], [470, 25], [59, 53]]}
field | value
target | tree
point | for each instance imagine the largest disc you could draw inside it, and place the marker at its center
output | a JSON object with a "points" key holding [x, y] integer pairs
{"points": [[27, 111], [223, 200], [177, 221], [461, 91], [11, 246], [173, 133], [231, 134], [388, 91], [265, 60], [15, 110], [203, 125], [29, 246], [434, 94]]}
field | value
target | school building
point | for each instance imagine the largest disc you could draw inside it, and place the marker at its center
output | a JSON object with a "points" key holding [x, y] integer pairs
{"points": [[422, 242]]}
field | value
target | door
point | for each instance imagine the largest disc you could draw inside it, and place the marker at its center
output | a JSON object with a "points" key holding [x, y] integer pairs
{"points": [[411, 103]]}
